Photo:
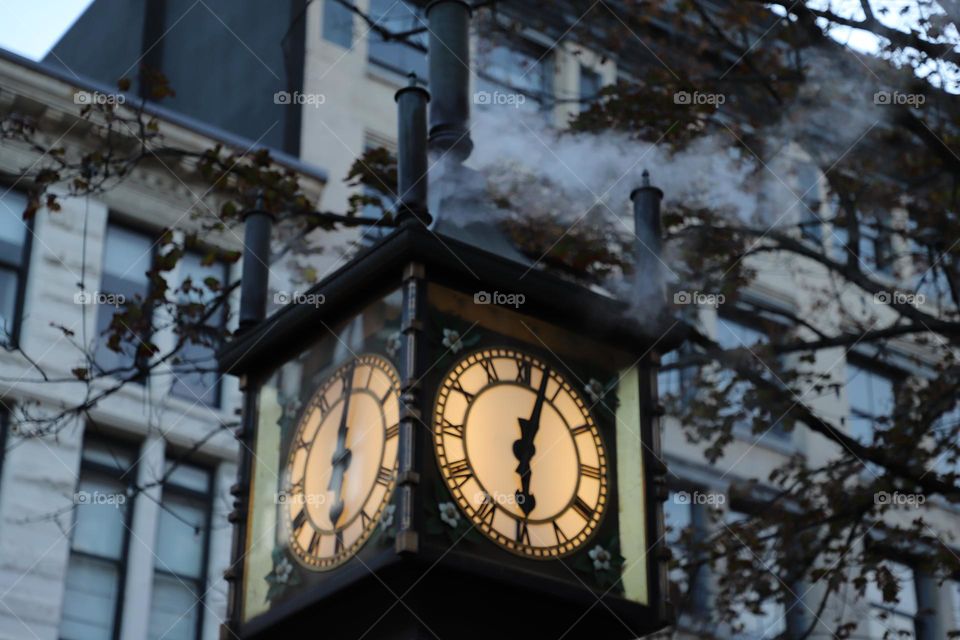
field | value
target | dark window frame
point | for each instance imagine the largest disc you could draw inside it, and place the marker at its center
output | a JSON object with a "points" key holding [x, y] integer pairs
{"points": [[114, 219], [207, 498], [199, 248], [22, 271], [128, 476]]}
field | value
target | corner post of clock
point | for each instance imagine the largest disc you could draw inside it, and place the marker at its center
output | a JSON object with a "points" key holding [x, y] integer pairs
{"points": [[412, 355], [412, 154], [230, 629]]}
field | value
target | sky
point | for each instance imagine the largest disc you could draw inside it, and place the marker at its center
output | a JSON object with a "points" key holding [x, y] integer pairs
{"points": [[31, 28]]}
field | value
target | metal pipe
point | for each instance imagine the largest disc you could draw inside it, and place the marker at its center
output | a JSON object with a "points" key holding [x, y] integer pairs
{"points": [[412, 153], [258, 225], [648, 272], [449, 56]]}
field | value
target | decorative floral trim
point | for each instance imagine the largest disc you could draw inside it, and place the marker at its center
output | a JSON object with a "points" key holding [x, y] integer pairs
{"points": [[595, 390], [601, 558], [449, 514], [452, 341], [394, 344], [283, 575]]}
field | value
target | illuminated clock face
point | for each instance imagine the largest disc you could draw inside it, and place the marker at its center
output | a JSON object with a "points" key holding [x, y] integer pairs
{"points": [[520, 452], [342, 463]]}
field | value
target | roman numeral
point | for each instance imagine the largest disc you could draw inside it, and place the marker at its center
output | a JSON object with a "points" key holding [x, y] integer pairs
{"points": [[299, 521], [384, 476], [486, 510], [450, 429], [561, 536], [581, 507], [590, 471], [314, 542], [393, 431], [581, 429], [365, 519], [523, 372], [459, 387], [460, 470], [323, 404], [490, 369], [369, 377], [523, 533], [338, 541], [386, 394]]}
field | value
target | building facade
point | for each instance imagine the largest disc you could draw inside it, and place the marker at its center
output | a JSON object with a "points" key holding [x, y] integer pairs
{"points": [[136, 570]]}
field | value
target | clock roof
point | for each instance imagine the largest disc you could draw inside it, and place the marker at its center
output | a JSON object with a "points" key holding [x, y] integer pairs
{"points": [[378, 269]]}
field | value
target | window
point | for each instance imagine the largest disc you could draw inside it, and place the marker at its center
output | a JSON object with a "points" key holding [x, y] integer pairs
{"points": [[875, 246], [899, 618], [14, 254], [4, 427], [737, 335], [808, 188], [195, 377], [127, 257], [402, 57], [771, 621], [93, 598], [687, 582], [870, 395], [590, 85], [337, 24], [512, 69], [179, 581]]}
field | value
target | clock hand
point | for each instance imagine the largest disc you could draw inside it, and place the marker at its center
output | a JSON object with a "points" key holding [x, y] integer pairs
{"points": [[341, 455], [523, 449]]}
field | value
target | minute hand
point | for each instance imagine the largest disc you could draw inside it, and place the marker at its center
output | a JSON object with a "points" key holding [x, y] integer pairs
{"points": [[524, 448], [341, 455]]}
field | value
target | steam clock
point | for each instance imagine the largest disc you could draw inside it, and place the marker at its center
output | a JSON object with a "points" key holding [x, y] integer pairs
{"points": [[441, 441]]}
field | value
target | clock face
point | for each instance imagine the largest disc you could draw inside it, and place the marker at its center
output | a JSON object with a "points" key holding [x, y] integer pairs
{"points": [[520, 452], [342, 463]]}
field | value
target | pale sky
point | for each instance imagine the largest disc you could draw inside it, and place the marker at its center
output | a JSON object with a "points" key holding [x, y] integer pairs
{"points": [[31, 28]]}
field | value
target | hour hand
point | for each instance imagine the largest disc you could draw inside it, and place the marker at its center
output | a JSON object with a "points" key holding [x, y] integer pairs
{"points": [[524, 450]]}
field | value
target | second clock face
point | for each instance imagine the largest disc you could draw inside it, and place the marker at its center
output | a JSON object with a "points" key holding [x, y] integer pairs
{"points": [[342, 463], [520, 452]]}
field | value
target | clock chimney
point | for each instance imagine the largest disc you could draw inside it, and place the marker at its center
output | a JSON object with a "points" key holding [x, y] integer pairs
{"points": [[449, 55], [412, 153], [648, 266]]}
